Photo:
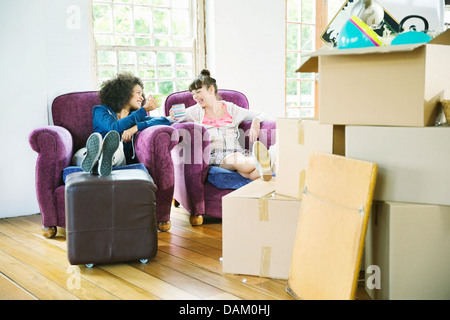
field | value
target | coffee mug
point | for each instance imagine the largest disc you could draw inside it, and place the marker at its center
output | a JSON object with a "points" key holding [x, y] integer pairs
{"points": [[179, 110]]}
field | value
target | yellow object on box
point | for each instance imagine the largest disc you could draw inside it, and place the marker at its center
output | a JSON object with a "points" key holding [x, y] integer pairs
{"points": [[331, 228]]}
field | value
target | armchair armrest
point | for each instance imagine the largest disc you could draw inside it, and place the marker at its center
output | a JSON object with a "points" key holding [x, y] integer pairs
{"points": [[267, 134], [191, 158], [153, 147], [54, 146]]}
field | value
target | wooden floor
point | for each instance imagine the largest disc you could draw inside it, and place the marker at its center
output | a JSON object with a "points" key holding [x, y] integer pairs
{"points": [[186, 267]]}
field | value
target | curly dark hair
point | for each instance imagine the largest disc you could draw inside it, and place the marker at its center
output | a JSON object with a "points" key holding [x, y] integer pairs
{"points": [[115, 93]]}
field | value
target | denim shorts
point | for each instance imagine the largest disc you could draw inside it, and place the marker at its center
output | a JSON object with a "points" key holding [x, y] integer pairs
{"points": [[217, 155]]}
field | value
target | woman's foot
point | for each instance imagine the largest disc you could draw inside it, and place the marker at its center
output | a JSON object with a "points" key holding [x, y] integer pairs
{"points": [[262, 160], [110, 144], [93, 151]]}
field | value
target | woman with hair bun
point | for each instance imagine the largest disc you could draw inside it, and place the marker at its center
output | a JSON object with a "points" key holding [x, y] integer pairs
{"points": [[222, 119]]}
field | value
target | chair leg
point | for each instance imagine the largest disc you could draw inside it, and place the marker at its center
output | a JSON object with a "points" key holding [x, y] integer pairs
{"points": [[175, 203], [164, 226], [49, 232], [196, 220]]}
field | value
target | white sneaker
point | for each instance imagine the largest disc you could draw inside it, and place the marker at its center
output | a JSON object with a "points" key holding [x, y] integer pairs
{"points": [[110, 144], [262, 160], [93, 150]]}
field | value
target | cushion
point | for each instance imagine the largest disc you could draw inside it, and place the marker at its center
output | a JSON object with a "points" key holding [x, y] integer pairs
{"points": [[226, 179], [73, 169]]}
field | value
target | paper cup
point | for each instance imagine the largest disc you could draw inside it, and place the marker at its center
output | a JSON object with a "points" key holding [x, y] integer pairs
{"points": [[179, 110]]}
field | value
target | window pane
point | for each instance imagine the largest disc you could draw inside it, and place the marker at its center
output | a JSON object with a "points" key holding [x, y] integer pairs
{"points": [[308, 11], [184, 59], [106, 57], [122, 19], [166, 87], [180, 4], [294, 10], [148, 2], [165, 59], [163, 3], [161, 23], [293, 36], [307, 98], [102, 18], [292, 64], [180, 20], [143, 20], [308, 38], [147, 58]]}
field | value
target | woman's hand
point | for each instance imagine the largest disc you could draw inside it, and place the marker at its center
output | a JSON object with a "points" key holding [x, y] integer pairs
{"points": [[127, 135], [171, 114], [254, 130], [151, 104]]}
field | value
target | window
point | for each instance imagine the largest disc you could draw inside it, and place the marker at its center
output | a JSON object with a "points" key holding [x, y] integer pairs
{"points": [[305, 19], [160, 41]]}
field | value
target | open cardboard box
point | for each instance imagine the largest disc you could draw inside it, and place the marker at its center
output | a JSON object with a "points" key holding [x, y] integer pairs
{"points": [[391, 85]]}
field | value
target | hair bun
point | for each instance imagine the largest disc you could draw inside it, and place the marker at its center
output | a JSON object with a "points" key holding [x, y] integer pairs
{"points": [[205, 73]]}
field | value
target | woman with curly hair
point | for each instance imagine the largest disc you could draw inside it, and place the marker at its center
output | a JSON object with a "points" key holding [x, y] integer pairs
{"points": [[123, 112]]}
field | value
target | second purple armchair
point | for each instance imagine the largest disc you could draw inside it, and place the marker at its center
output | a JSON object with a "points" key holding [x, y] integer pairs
{"points": [[191, 156]]}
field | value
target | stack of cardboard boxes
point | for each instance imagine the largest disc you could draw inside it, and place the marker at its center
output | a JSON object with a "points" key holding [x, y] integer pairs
{"points": [[377, 105], [387, 99]]}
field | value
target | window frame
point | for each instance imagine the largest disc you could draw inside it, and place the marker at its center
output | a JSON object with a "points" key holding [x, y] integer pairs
{"points": [[198, 49], [320, 23]]}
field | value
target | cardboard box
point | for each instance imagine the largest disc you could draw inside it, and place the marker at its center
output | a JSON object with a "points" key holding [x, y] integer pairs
{"points": [[391, 85], [296, 139], [413, 162], [258, 229], [410, 243]]}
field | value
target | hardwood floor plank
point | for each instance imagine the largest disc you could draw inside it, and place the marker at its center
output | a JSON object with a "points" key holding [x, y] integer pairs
{"points": [[11, 291], [35, 283]]}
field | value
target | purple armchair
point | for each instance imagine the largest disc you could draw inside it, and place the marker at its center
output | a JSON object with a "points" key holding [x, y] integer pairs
{"points": [[191, 157], [56, 144]]}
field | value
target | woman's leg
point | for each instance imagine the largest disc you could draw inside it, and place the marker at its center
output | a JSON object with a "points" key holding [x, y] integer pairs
{"points": [[245, 165]]}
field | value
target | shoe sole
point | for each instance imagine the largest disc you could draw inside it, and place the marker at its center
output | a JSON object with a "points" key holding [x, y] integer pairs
{"points": [[93, 151], [262, 160], [110, 145]]}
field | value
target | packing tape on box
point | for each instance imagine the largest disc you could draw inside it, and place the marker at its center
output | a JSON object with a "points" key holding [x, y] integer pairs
{"points": [[301, 133], [301, 183], [266, 256], [264, 207]]}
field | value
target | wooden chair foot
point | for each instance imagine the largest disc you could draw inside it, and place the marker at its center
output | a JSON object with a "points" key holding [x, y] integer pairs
{"points": [[49, 232], [196, 220], [164, 226], [175, 203]]}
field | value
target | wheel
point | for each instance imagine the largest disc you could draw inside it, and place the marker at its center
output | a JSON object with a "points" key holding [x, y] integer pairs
{"points": [[89, 265], [143, 260]]}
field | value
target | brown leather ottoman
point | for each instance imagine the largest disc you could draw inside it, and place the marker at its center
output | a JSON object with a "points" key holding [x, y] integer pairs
{"points": [[110, 218]]}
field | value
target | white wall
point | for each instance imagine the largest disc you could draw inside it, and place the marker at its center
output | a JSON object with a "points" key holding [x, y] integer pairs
{"points": [[43, 53], [246, 50]]}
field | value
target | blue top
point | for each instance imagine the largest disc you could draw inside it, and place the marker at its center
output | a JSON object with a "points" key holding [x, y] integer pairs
{"points": [[105, 120]]}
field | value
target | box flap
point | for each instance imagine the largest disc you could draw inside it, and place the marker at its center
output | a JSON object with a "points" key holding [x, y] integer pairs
{"points": [[312, 64], [256, 189]]}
